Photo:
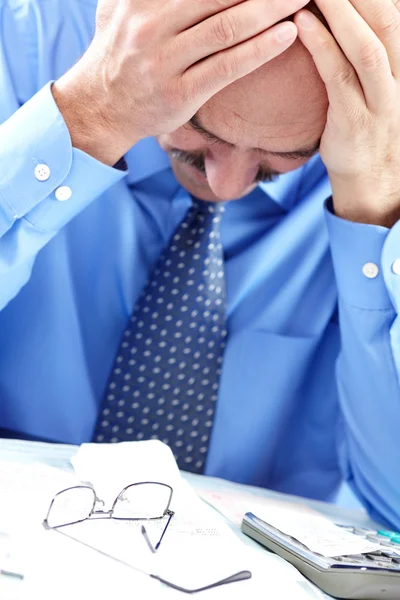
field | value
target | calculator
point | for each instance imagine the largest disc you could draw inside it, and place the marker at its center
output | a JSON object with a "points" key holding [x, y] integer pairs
{"points": [[370, 576]]}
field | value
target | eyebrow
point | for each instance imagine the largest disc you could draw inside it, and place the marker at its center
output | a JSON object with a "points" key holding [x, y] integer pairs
{"points": [[306, 152]]}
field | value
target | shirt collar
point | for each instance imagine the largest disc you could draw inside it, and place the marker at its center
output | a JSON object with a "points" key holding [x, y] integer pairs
{"points": [[147, 158], [288, 188]]}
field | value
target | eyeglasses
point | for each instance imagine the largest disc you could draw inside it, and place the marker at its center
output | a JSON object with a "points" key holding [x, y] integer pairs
{"points": [[144, 501]]}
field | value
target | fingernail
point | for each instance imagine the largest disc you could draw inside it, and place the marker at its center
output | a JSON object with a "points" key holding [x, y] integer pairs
{"points": [[285, 33], [307, 20]]}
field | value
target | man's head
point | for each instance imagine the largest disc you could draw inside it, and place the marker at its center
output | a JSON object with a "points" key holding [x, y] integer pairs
{"points": [[279, 108]]}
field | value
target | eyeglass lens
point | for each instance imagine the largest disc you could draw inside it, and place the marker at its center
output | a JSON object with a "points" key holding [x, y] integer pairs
{"points": [[137, 501], [71, 506], [142, 501]]}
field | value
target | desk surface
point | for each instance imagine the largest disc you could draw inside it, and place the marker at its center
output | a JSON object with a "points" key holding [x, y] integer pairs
{"points": [[60, 455]]}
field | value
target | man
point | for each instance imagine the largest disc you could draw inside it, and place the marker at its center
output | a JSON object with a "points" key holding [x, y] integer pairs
{"points": [[286, 374]]}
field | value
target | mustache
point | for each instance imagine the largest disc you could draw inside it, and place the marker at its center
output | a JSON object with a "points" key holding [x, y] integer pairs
{"points": [[198, 162]]}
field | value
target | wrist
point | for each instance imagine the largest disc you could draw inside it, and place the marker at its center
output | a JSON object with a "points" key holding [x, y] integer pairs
{"points": [[365, 203], [89, 120]]}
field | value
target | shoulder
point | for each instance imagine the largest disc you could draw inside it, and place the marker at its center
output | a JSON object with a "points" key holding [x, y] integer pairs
{"points": [[42, 39], [48, 11], [54, 4]]}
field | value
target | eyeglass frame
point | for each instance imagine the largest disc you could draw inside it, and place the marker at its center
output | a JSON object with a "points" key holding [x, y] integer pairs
{"points": [[108, 514]]}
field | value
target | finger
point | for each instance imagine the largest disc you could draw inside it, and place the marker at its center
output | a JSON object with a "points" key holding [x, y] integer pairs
{"points": [[361, 47], [336, 72], [189, 13], [209, 76], [383, 17], [229, 28]]}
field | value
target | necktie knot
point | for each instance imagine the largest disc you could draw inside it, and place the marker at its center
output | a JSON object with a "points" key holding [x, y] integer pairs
{"points": [[207, 207]]}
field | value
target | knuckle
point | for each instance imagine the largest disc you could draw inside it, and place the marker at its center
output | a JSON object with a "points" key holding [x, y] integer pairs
{"points": [[149, 69], [387, 24], [168, 52], [216, 5], [371, 56], [227, 69], [225, 30], [141, 35], [391, 27], [326, 46], [221, 4], [343, 77], [262, 52], [176, 94], [258, 51], [190, 90]]}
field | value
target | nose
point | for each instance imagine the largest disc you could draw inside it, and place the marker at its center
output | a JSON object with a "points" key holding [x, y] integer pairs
{"points": [[230, 172]]}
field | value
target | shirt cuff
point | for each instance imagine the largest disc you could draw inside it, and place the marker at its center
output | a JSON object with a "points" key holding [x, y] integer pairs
{"points": [[43, 177], [359, 261], [391, 265]]}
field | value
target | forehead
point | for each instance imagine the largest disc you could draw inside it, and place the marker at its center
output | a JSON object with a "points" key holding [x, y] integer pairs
{"points": [[281, 106]]}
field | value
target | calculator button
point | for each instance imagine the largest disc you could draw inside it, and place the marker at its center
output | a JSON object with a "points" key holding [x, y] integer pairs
{"points": [[384, 565], [393, 555], [345, 527], [355, 558], [369, 531], [395, 539], [381, 559], [381, 540], [388, 534]]}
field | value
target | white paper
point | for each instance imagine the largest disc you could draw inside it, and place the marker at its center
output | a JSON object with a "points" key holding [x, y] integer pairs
{"points": [[25, 487], [233, 505], [312, 529], [26, 493], [65, 569], [198, 548], [26, 490], [56, 566], [111, 467]]}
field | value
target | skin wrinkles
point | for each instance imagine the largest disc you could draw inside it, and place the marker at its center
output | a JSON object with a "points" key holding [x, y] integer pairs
{"points": [[298, 153]]}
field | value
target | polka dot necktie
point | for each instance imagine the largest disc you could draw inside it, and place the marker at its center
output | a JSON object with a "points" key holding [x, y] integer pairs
{"points": [[164, 383]]}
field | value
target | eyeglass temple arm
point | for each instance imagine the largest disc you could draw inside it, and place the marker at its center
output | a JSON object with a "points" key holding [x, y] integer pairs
{"points": [[171, 514], [241, 576], [146, 537]]}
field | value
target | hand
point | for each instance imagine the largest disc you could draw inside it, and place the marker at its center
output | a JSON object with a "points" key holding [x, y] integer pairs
{"points": [[360, 66], [153, 63]]}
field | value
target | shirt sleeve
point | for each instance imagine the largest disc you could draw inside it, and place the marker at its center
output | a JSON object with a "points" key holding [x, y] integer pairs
{"points": [[368, 368], [44, 181]]}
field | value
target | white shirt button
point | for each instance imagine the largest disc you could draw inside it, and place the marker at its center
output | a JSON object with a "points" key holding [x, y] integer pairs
{"points": [[42, 172], [370, 270], [63, 193], [396, 266]]}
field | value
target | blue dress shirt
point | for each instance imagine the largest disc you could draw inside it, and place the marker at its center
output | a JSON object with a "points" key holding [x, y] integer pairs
{"points": [[310, 385]]}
